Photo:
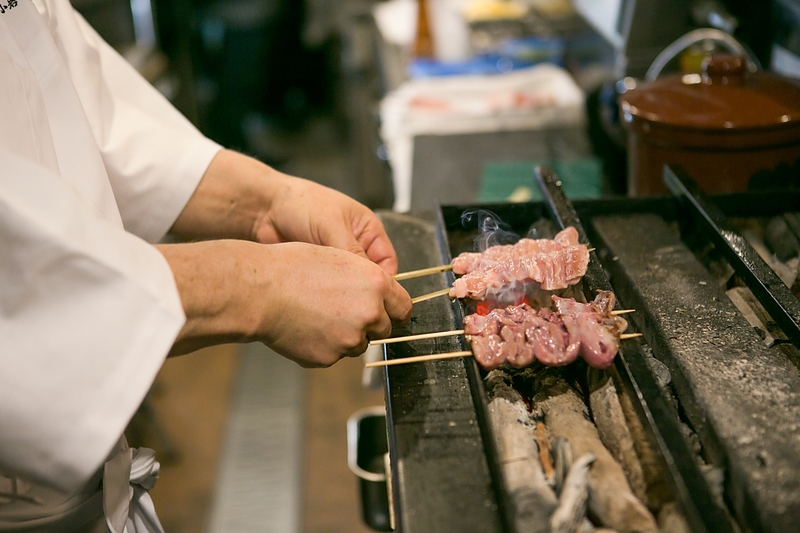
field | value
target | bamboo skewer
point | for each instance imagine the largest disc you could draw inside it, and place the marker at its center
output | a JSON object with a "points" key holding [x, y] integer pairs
{"points": [[433, 270], [430, 296], [418, 358], [422, 272], [442, 292], [437, 334], [419, 337], [438, 356]]}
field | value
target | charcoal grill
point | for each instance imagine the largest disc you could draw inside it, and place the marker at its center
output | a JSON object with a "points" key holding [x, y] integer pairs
{"points": [[739, 396]]}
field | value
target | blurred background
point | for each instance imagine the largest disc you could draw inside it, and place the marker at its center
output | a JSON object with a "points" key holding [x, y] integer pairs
{"points": [[399, 104]]}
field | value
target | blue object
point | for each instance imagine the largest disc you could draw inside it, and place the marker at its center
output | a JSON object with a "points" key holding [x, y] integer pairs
{"points": [[478, 65], [512, 54], [534, 49]]}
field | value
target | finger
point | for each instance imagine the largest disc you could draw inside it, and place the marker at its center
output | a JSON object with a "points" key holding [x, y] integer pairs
{"points": [[373, 239], [397, 303], [381, 252], [380, 329], [361, 348]]}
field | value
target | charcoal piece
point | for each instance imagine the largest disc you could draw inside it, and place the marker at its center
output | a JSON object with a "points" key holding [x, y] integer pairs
{"points": [[532, 498], [671, 520], [781, 239], [566, 415], [574, 495], [613, 429]]}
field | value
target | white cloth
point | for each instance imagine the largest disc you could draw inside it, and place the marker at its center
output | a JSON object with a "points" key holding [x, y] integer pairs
{"points": [[94, 165], [533, 98], [127, 477]]}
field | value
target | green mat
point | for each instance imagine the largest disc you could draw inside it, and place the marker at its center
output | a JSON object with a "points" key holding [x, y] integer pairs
{"points": [[510, 181]]}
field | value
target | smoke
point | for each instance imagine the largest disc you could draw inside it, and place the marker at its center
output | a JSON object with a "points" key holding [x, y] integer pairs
{"points": [[542, 229], [491, 230]]}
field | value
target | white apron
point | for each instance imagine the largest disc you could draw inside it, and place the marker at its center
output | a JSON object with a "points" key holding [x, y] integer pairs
{"points": [[94, 166], [114, 500]]}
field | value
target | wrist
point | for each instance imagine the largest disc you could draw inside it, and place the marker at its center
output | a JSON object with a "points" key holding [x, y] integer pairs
{"points": [[232, 200], [219, 282]]}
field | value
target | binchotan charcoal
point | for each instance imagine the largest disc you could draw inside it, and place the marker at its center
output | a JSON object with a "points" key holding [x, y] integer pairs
{"points": [[515, 437], [574, 495], [613, 428], [611, 500], [671, 519]]}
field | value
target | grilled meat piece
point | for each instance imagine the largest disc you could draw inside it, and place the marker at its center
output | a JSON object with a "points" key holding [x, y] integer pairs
{"points": [[550, 263], [519, 334]]}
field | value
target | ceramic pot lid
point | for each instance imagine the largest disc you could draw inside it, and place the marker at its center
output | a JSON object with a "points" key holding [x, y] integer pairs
{"points": [[723, 96]]}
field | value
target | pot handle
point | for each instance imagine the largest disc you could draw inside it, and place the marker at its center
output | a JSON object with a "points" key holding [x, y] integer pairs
{"points": [[695, 36], [353, 439]]}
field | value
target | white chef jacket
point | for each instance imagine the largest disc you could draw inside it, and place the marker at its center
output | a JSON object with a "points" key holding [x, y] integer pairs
{"points": [[94, 165]]}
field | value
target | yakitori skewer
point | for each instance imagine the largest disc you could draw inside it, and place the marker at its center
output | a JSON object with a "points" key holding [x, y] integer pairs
{"points": [[430, 296], [419, 358], [621, 312], [438, 356], [434, 270], [418, 337], [442, 292], [422, 272]]}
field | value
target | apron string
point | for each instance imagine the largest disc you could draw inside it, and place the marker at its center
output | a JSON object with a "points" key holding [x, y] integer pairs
{"points": [[127, 477]]}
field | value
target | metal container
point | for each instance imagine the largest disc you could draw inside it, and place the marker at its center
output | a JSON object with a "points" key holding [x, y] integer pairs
{"points": [[367, 457], [731, 128]]}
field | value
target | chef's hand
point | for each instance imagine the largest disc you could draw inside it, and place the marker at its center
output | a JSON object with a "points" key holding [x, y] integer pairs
{"points": [[305, 211], [312, 304], [240, 197]]}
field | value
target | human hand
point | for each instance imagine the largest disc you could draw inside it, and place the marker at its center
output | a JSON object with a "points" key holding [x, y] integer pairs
{"points": [[305, 211], [329, 303], [312, 304], [242, 198]]}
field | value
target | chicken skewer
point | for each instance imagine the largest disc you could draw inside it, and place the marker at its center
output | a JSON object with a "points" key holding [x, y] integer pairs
{"points": [[549, 264], [520, 335], [449, 355], [411, 274], [543, 264]]}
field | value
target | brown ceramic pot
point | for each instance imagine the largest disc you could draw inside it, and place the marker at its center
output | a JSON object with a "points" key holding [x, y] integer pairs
{"points": [[724, 126]]}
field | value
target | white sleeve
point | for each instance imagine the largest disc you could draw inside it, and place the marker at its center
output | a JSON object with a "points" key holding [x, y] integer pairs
{"points": [[87, 314], [154, 156]]}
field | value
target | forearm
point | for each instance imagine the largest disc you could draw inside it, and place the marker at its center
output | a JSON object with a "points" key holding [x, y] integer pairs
{"points": [[232, 199], [215, 281]]}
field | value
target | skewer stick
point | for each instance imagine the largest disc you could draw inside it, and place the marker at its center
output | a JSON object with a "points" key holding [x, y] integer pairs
{"points": [[418, 358], [422, 272], [622, 312], [418, 337], [449, 355], [430, 296]]}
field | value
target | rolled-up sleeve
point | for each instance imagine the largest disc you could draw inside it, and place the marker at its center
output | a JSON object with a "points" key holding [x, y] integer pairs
{"points": [[88, 313]]}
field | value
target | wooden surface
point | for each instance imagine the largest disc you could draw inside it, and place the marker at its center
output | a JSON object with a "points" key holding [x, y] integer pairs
{"points": [[331, 501], [190, 401]]}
